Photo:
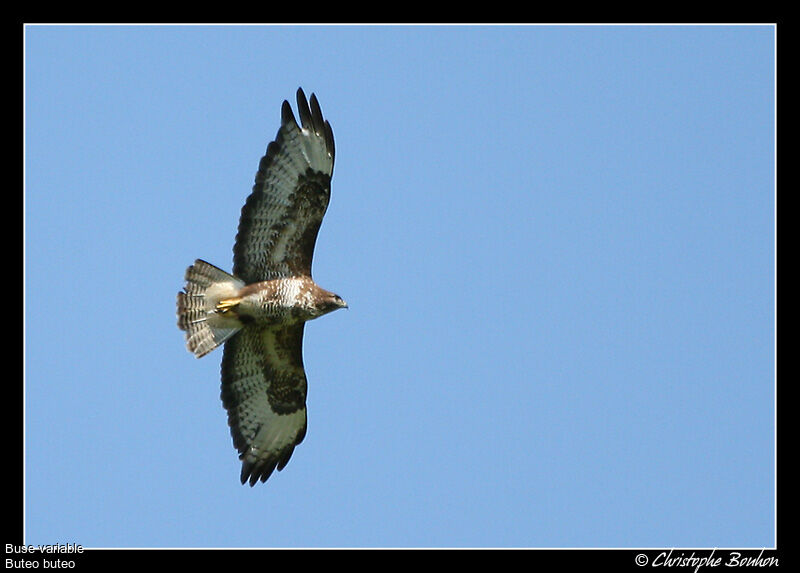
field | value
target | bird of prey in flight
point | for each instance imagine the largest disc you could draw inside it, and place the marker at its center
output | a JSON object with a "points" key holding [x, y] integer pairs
{"points": [[259, 311]]}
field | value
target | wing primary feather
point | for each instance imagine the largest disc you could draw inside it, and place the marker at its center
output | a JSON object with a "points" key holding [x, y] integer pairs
{"points": [[252, 472], [287, 116], [316, 116], [303, 110], [285, 459], [329, 140], [273, 149], [246, 466], [266, 473], [263, 472]]}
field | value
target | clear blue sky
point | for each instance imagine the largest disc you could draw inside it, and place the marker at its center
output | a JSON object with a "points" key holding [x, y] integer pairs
{"points": [[558, 247]]}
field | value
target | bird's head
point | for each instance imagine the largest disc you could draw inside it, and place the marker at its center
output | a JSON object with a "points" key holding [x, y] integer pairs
{"points": [[334, 302], [324, 301], [327, 301]]}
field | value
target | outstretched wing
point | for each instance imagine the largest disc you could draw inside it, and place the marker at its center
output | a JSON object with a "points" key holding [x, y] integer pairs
{"points": [[281, 217], [264, 392]]}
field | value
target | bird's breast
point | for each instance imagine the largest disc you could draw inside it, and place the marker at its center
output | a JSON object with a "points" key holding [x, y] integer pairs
{"points": [[279, 301]]}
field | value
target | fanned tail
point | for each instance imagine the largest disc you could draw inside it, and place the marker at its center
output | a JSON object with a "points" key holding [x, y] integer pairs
{"points": [[206, 307]]}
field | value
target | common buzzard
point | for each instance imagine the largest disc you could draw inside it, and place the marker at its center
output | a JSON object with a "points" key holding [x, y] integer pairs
{"points": [[260, 310]]}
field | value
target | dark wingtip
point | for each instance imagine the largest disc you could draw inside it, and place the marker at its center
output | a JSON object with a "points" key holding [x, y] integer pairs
{"points": [[246, 467], [310, 118], [252, 472], [285, 459], [329, 140], [287, 116], [303, 110], [316, 116]]}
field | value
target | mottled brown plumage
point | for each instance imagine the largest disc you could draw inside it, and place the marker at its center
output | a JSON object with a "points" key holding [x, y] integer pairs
{"points": [[260, 311]]}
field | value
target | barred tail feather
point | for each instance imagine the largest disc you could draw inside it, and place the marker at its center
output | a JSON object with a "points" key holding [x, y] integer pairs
{"points": [[206, 328]]}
